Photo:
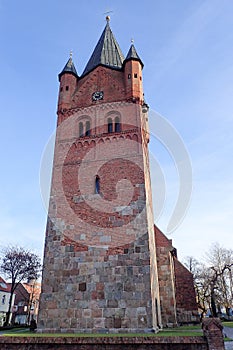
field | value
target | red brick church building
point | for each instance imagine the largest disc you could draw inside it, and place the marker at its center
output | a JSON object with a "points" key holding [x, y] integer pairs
{"points": [[107, 268]]}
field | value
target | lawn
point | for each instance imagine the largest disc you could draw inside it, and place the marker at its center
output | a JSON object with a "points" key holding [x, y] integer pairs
{"points": [[228, 324], [180, 331]]}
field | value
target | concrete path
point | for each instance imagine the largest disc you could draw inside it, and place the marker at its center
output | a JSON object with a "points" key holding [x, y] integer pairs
{"points": [[229, 333]]}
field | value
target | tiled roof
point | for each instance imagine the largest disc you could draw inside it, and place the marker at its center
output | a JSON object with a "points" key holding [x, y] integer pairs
{"points": [[107, 52], [69, 68], [132, 55]]}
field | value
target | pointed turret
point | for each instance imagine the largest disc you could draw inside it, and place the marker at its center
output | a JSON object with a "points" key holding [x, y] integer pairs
{"points": [[106, 53], [132, 55], [68, 81], [69, 68], [133, 66]]}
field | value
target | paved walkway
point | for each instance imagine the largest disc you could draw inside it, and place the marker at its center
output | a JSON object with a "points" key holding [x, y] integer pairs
{"points": [[229, 333]]}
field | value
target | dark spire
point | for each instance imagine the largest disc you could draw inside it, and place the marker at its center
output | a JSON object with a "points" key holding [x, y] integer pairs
{"points": [[107, 52], [132, 55], [69, 68]]}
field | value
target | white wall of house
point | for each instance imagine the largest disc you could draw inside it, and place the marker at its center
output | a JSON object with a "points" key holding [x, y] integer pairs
{"points": [[4, 304]]}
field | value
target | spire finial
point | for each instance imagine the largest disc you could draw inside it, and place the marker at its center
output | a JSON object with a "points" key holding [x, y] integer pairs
{"points": [[107, 17], [71, 54], [132, 40]]}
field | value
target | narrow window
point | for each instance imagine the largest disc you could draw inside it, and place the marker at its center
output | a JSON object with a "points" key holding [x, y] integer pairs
{"points": [[129, 76], [88, 128], [3, 299], [97, 184], [135, 75], [117, 124], [110, 128], [67, 88], [82, 287], [61, 89], [80, 129]]}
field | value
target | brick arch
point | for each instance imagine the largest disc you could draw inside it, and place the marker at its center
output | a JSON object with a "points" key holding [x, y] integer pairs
{"points": [[135, 137], [113, 115], [79, 145]]}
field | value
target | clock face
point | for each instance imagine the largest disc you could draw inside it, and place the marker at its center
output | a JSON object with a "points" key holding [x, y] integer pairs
{"points": [[98, 95]]}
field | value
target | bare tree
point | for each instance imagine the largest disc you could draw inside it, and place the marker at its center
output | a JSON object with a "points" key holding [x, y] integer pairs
{"points": [[18, 265], [201, 278], [213, 281], [221, 263]]}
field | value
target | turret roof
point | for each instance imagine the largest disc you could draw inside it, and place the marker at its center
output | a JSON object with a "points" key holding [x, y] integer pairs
{"points": [[107, 52], [132, 55], [69, 68]]}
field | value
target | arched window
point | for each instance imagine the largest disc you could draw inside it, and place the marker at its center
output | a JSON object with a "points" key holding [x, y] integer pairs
{"points": [[88, 128], [97, 184], [80, 129], [117, 124], [110, 126]]}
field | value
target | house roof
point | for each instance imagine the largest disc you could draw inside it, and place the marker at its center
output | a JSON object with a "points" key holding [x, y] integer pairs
{"points": [[4, 286], [107, 52]]}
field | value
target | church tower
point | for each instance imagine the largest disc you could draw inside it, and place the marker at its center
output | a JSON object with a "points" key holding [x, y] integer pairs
{"points": [[100, 267]]}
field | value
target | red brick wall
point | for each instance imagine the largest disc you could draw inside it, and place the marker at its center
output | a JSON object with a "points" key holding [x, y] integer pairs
{"points": [[176, 284], [185, 294], [108, 343]]}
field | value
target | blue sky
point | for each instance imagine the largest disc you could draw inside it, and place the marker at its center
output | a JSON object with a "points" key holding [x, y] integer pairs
{"points": [[187, 49]]}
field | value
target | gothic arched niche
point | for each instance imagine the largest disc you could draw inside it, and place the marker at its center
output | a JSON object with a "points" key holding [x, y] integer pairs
{"points": [[83, 126]]}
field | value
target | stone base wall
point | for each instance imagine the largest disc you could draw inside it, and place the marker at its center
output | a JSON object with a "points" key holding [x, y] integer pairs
{"points": [[108, 343], [103, 291]]}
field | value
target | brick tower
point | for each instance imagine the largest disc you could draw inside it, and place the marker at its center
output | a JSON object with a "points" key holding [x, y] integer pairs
{"points": [[100, 267]]}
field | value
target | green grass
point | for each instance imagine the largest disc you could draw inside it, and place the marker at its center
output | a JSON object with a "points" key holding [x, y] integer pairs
{"points": [[228, 324], [179, 331], [97, 335], [188, 328]]}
